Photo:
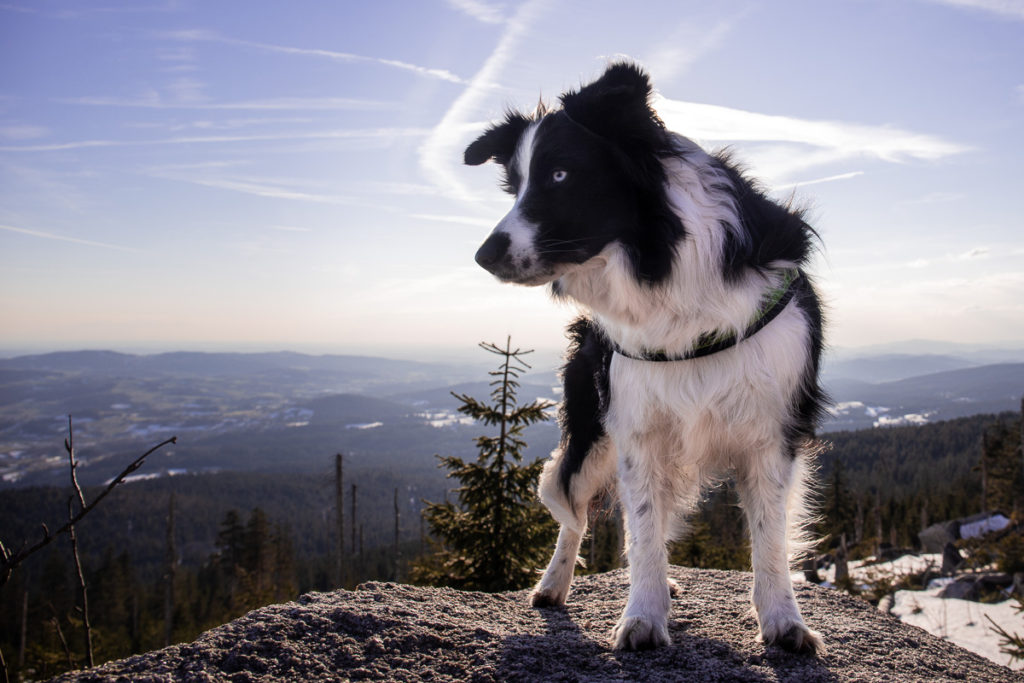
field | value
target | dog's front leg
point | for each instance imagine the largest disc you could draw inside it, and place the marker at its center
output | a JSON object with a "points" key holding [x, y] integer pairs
{"points": [[554, 586], [644, 623], [765, 487], [587, 475]]}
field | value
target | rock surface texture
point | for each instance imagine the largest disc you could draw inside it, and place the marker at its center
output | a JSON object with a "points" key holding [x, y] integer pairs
{"points": [[391, 632]]}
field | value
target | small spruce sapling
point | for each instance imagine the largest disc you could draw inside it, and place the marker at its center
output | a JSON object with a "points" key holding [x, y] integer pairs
{"points": [[498, 534]]}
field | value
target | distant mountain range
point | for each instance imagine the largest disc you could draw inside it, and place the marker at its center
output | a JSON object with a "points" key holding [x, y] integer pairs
{"points": [[245, 410], [905, 388]]}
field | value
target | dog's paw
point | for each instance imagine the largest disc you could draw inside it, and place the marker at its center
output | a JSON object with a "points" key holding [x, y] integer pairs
{"points": [[674, 589], [639, 633], [793, 636], [547, 597]]}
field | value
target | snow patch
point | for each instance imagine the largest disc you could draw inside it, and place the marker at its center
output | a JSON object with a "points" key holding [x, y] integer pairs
{"points": [[963, 622]]}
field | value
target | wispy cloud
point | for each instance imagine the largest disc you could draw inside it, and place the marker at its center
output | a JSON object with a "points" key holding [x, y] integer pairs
{"points": [[291, 228], [685, 46], [20, 9], [934, 198], [1006, 9], [221, 125], [22, 132], [442, 149], [208, 36], [460, 220], [827, 179], [973, 254], [65, 238], [717, 123], [153, 100], [898, 267], [264, 189], [488, 13], [178, 59], [360, 134], [784, 145], [79, 12], [291, 189]]}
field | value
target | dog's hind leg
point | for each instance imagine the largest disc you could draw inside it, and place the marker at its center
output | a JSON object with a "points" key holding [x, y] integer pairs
{"points": [[771, 490], [569, 508]]}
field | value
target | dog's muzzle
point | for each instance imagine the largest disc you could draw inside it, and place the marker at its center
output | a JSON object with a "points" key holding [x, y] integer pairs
{"points": [[493, 252]]}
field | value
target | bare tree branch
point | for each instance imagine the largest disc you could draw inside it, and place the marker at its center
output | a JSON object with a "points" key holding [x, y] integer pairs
{"points": [[69, 446], [10, 560], [81, 585], [55, 620]]}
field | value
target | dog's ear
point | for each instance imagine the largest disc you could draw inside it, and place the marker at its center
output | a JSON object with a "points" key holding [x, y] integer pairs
{"points": [[497, 142], [617, 103]]}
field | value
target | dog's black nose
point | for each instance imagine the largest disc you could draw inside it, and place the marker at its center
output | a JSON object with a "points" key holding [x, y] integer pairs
{"points": [[493, 250]]}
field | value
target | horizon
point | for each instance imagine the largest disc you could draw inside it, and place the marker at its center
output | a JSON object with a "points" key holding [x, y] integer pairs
{"points": [[176, 174], [544, 356]]}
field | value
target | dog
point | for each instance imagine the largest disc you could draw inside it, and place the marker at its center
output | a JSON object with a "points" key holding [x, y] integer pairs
{"points": [[698, 352]]}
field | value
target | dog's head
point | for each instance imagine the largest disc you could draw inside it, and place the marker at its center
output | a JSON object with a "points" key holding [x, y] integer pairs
{"points": [[582, 176]]}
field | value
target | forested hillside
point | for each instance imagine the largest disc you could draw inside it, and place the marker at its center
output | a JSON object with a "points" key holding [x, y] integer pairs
{"points": [[240, 539]]}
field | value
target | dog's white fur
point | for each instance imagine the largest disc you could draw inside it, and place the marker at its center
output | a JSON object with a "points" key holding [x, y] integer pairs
{"points": [[674, 428]]}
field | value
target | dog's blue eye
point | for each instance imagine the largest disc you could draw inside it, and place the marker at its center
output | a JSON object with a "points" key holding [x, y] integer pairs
{"points": [[559, 175]]}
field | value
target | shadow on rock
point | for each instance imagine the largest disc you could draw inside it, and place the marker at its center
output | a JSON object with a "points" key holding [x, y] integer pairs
{"points": [[565, 652]]}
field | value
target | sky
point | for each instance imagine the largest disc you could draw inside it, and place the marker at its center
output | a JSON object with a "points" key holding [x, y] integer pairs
{"points": [[180, 174]]}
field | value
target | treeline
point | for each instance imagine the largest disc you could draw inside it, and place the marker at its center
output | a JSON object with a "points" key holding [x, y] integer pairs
{"points": [[166, 559], [881, 487]]}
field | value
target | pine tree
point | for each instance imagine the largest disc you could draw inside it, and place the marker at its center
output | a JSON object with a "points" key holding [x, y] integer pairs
{"points": [[498, 534], [1000, 463], [840, 506]]}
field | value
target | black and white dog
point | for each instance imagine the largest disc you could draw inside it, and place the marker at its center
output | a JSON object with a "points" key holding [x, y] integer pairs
{"points": [[698, 353]]}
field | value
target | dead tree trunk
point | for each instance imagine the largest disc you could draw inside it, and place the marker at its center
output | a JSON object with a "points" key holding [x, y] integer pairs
{"points": [[339, 503], [396, 519], [84, 591], [355, 491], [23, 642], [69, 446], [842, 572], [171, 572]]}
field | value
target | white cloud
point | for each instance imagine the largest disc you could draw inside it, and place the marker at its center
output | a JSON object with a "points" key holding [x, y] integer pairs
{"points": [[65, 238], [291, 228], [684, 47], [827, 179], [485, 12], [935, 198], [786, 144], [385, 134], [178, 59], [442, 150], [187, 90], [894, 269], [724, 124], [264, 189], [202, 35], [1008, 9], [152, 100], [985, 307], [23, 132], [460, 220]]}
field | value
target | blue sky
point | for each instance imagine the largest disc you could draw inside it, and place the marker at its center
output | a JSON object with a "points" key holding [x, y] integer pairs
{"points": [[267, 175]]}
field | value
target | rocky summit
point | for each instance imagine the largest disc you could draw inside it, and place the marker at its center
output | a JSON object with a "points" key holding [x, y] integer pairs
{"points": [[394, 632]]}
